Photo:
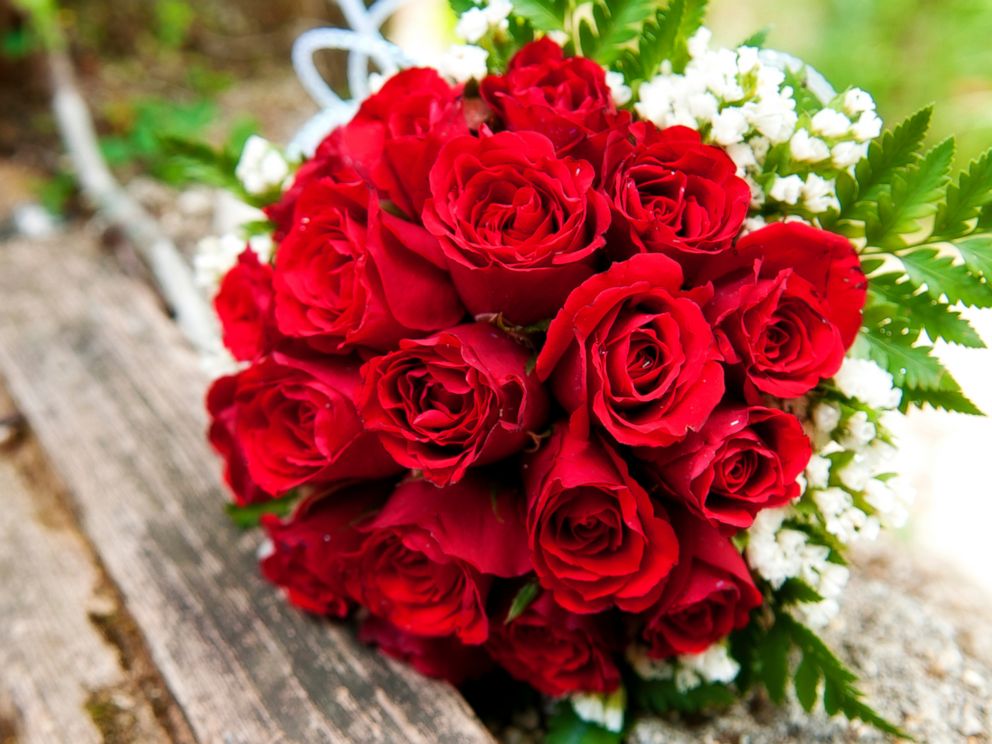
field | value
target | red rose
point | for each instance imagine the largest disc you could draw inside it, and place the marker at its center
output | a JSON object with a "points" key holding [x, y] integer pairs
{"points": [[595, 537], [223, 417], [328, 162], [787, 305], [555, 651], [429, 557], [565, 99], [671, 193], [519, 226], [347, 275], [709, 594], [744, 459], [308, 557], [244, 306], [441, 658], [394, 138], [460, 398], [635, 353], [296, 423]]}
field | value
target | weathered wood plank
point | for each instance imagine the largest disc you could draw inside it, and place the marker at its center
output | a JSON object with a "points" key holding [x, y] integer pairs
{"points": [[116, 400], [59, 679]]}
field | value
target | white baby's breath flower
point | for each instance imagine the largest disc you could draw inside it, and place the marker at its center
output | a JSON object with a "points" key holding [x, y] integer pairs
{"points": [[868, 382], [472, 25], [618, 87], [846, 154], [787, 189], [867, 127], [603, 709], [830, 123], [808, 149], [858, 432], [729, 126], [699, 42], [819, 194], [818, 472], [464, 62], [262, 167], [857, 101]]}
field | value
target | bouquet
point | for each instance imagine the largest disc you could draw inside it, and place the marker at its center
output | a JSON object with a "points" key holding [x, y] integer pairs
{"points": [[573, 355]]}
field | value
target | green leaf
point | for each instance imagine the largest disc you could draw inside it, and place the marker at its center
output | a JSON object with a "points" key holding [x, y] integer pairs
{"points": [[662, 696], [796, 590], [947, 400], [544, 15], [565, 727], [977, 254], [891, 294], [617, 24], [913, 197], [941, 276], [840, 695], [911, 366], [807, 681], [773, 655], [893, 151], [757, 39], [965, 199], [247, 517], [523, 599]]}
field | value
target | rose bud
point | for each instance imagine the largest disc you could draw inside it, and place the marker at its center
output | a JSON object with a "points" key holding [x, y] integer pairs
{"points": [[709, 594], [296, 422], [555, 651], [596, 539], [744, 459], [633, 352], [394, 138], [244, 307], [348, 275], [441, 658], [519, 227], [565, 98], [223, 417], [430, 556], [671, 193], [310, 550], [787, 305], [328, 162], [460, 398]]}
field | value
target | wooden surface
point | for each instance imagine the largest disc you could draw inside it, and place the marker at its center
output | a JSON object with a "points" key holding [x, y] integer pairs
{"points": [[115, 401]]}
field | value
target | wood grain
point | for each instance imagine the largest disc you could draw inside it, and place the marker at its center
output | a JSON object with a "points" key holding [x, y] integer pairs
{"points": [[116, 400], [59, 678]]}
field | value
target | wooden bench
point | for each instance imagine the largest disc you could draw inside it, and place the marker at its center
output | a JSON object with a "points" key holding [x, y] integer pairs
{"points": [[131, 607]]}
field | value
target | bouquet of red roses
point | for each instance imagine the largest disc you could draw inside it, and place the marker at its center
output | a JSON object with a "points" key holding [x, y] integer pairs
{"points": [[537, 371]]}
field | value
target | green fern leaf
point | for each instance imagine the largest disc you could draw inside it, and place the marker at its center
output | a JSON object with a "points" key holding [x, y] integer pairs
{"points": [[618, 23], [912, 198], [946, 400], [965, 199], [977, 254], [943, 277], [895, 149], [544, 15]]}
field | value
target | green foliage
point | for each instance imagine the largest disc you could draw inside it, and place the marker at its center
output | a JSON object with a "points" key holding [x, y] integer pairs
{"points": [[249, 516], [565, 727], [769, 656], [662, 696], [663, 37], [543, 15], [611, 27], [927, 250], [523, 599]]}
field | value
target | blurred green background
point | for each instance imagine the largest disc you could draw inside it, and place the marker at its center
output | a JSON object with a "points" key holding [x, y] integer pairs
{"points": [[213, 67]]}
